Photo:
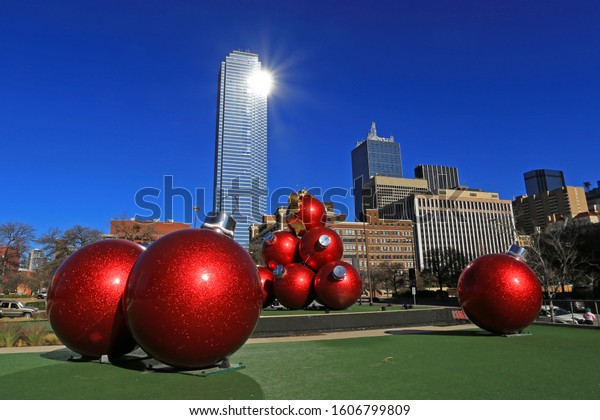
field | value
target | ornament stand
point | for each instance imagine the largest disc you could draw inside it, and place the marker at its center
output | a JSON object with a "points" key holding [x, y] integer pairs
{"points": [[139, 360]]}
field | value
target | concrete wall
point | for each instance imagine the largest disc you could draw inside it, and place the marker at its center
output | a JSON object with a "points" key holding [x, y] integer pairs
{"points": [[299, 324]]}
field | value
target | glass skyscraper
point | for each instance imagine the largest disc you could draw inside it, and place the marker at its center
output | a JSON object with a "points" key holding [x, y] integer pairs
{"points": [[240, 186], [373, 156], [541, 180]]}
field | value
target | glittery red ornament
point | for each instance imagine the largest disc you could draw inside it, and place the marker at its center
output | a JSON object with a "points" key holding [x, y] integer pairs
{"points": [[338, 285], [193, 298], [279, 248], [294, 285], [305, 212], [319, 246], [84, 299], [500, 293], [267, 280]]}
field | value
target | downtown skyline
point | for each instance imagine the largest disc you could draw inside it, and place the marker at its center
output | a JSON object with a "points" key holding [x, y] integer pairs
{"points": [[101, 101]]}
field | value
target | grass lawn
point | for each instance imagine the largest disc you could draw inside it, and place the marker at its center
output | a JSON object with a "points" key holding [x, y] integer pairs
{"points": [[553, 363]]}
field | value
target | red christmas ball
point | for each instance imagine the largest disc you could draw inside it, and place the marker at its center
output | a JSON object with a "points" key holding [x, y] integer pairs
{"points": [[267, 280], [338, 285], [305, 212], [500, 293], [84, 299], [319, 246], [294, 285], [279, 248], [193, 298]]}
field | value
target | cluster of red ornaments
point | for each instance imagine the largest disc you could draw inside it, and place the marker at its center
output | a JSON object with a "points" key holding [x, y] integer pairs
{"points": [[500, 293], [305, 263], [190, 300]]}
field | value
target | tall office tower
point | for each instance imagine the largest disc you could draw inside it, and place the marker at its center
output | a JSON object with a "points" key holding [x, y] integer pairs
{"points": [[541, 180], [373, 156], [438, 176], [240, 186], [471, 221]]}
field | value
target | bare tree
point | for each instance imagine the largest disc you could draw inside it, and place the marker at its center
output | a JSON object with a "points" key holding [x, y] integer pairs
{"points": [[15, 237], [445, 265], [58, 246]]}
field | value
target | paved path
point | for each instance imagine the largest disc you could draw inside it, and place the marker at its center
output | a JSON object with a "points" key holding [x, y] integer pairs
{"points": [[312, 337]]}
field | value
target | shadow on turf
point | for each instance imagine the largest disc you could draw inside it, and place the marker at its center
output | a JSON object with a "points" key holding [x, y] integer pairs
{"points": [[455, 333]]}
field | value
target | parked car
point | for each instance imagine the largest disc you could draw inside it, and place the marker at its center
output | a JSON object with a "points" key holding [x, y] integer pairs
{"points": [[561, 316], [42, 295], [14, 308]]}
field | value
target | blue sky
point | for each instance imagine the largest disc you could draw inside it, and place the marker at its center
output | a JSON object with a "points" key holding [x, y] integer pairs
{"points": [[101, 99]]}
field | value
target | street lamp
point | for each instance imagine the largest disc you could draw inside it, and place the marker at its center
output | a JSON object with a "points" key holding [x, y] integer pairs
{"points": [[196, 210]]}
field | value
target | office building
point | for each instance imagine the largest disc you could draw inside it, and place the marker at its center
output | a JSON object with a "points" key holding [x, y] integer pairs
{"points": [[240, 184], [473, 222], [373, 156], [541, 180], [536, 211], [438, 176], [379, 191], [142, 231]]}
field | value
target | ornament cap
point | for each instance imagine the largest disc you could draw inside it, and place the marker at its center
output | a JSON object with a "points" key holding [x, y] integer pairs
{"points": [[324, 240], [269, 238], [339, 272], [220, 222], [279, 271], [516, 251]]}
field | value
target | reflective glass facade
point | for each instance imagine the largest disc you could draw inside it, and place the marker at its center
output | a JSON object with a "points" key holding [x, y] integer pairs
{"points": [[240, 186], [373, 156], [438, 176], [541, 180]]}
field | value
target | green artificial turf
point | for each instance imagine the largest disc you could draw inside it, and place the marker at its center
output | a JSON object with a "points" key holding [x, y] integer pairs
{"points": [[552, 363]]}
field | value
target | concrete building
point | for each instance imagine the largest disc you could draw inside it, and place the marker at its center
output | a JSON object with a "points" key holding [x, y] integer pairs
{"points": [[541, 180], [373, 156], [473, 222], [240, 184], [438, 176], [535, 211], [380, 191], [142, 231]]}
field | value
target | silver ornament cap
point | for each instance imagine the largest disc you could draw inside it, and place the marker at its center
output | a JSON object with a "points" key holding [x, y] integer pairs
{"points": [[269, 238], [279, 271], [339, 272], [324, 240], [220, 222], [516, 251]]}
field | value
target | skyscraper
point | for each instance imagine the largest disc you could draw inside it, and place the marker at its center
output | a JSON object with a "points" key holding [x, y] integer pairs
{"points": [[373, 156], [438, 176], [240, 186], [541, 180]]}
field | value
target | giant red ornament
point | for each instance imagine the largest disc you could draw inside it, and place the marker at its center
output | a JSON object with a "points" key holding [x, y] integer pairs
{"points": [[294, 285], [193, 298], [267, 281], [305, 212], [319, 246], [279, 248], [338, 285], [84, 299], [500, 293]]}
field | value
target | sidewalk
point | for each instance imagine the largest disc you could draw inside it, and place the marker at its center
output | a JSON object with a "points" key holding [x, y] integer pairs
{"points": [[313, 337]]}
